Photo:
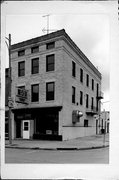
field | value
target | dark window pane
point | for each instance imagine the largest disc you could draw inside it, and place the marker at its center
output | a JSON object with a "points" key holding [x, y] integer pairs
{"points": [[35, 93], [81, 97], [73, 94], [50, 91], [35, 49], [50, 62], [92, 84], [35, 66], [85, 123], [21, 68], [87, 80], [92, 100], [50, 45], [87, 100], [21, 52], [73, 69], [81, 75], [25, 126]]}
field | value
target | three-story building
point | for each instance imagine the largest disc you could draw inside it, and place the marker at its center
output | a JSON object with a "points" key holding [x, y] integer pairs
{"points": [[59, 83]]}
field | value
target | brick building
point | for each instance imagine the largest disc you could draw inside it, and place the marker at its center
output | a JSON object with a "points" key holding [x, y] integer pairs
{"points": [[60, 81]]}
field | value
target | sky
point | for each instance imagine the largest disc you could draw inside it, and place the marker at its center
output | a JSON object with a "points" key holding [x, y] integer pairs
{"points": [[90, 31]]}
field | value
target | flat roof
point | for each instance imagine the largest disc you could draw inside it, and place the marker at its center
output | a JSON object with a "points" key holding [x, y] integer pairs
{"points": [[59, 33]]}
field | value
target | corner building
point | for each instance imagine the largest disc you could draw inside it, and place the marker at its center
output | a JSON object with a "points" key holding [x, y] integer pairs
{"points": [[60, 82]]}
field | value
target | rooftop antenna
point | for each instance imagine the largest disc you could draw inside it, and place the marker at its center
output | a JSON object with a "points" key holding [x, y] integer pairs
{"points": [[47, 15]]}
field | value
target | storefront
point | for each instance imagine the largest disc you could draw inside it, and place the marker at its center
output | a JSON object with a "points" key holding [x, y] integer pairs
{"points": [[37, 123]]}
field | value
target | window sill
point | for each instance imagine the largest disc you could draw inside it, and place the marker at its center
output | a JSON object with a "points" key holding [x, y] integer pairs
{"points": [[34, 74], [35, 102]]}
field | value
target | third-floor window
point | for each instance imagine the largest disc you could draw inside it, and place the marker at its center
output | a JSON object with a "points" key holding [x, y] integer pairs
{"points": [[92, 84], [50, 62], [50, 45], [35, 49], [35, 66], [21, 52], [73, 69], [87, 80], [81, 75]]}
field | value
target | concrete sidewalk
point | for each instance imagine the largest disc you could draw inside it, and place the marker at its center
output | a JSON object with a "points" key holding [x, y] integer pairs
{"points": [[82, 143]]}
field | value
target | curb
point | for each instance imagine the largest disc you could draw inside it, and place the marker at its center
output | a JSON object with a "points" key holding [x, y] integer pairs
{"points": [[65, 149]]}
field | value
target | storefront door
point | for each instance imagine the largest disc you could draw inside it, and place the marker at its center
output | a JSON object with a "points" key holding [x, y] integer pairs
{"points": [[26, 129]]}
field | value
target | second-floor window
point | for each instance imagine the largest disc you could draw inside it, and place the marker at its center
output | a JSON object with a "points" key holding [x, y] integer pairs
{"points": [[50, 45], [50, 91], [87, 80], [21, 68], [35, 49], [35, 66], [81, 75], [35, 93], [87, 98], [50, 62], [73, 94], [92, 103], [81, 97], [73, 69]]}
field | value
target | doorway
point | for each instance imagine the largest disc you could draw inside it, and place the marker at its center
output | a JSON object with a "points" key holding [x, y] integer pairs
{"points": [[26, 129]]}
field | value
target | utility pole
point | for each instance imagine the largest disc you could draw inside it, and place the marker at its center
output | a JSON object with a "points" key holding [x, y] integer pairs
{"points": [[9, 98]]}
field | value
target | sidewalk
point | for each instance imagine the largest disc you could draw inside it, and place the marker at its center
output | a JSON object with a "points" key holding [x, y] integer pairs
{"points": [[82, 143]]}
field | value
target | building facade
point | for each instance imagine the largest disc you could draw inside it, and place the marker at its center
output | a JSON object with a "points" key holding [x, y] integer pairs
{"points": [[103, 122], [52, 82]]}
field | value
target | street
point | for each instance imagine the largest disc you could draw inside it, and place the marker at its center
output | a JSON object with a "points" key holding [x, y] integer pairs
{"points": [[92, 156]]}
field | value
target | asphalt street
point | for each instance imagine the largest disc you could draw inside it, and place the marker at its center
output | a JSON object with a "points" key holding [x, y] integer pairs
{"points": [[92, 156]]}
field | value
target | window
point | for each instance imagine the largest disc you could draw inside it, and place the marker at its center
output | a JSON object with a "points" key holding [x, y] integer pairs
{"points": [[21, 52], [81, 97], [26, 126], [35, 93], [21, 68], [92, 102], [73, 69], [73, 94], [35, 49], [81, 75], [87, 100], [50, 91], [92, 84], [97, 89], [50, 45], [85, 123], [87, 80], [50, 62], [35, 66]]}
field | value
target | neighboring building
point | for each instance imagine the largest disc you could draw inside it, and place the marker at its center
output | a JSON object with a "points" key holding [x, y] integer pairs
{"points": [[60, 82], [103, 122], [6, 100]]}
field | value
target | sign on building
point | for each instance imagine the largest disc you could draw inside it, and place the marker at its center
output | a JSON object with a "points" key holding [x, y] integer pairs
{"points": [[21, 95]]}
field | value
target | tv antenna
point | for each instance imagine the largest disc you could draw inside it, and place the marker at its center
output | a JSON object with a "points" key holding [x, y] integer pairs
{"points": [[47, 30]]}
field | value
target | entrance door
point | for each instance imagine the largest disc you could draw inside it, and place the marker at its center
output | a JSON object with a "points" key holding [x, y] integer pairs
{"points": [[26, 129]]}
